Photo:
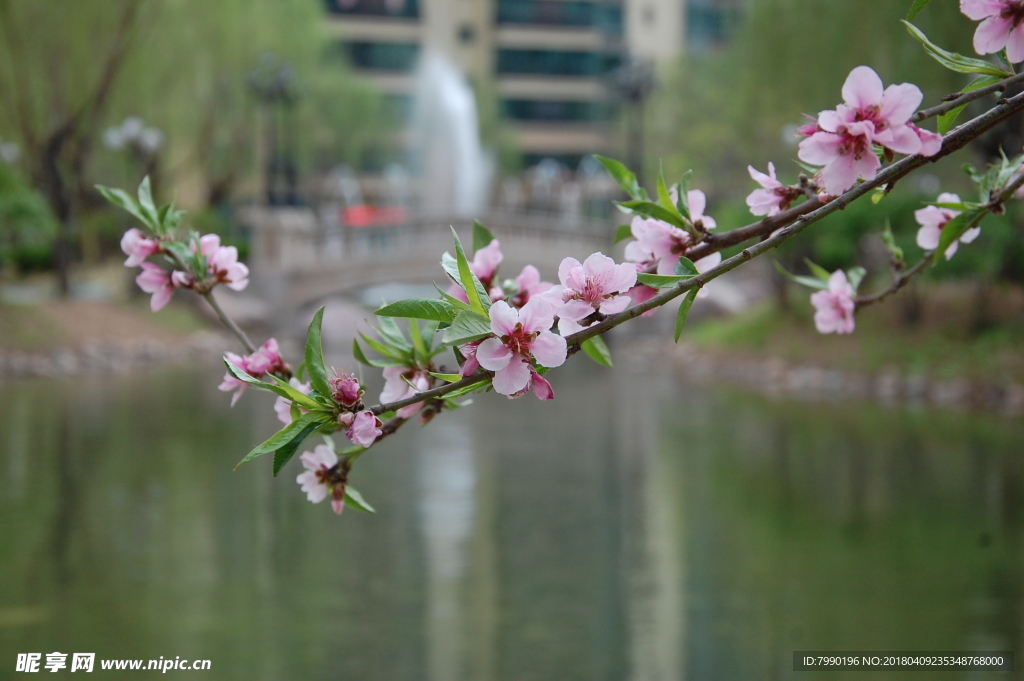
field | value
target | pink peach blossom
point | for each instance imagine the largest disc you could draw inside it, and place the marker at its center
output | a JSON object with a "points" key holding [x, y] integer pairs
{"points": [[834, 307], [1002, 25], [529, 286], [266, 359], [182, 279], [933, 218], [522, 337], [137, 247], [226, 269], [364, 429], [319, 480], [596, 285], [156, 280], [395, 388], [870, 115], [208, 244], [283, 406], [471, 364], [773, 197]]}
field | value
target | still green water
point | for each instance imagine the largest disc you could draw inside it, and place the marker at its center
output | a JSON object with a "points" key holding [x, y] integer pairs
{"points": [[636, 528]]}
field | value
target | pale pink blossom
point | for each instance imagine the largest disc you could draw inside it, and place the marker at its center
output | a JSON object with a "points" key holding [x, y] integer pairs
{"points": [[321, 478], [283, 406], [660, 244], [266, 359], [696, 202], [1002, 25], [345, 388], [522, 337], [597, 285], [363, 429], [223, 265], [773, 197], [933, 218], [834, 307], [137, 247], [182, 279], [156, 280], [931, 142], [870, 115], [208, 244], [395, 388]]}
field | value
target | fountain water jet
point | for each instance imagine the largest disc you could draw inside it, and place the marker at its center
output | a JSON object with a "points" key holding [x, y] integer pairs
{"points": [[454, 169]]}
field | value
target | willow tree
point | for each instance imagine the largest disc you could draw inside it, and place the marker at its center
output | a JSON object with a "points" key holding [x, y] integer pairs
{"points": [[68, 70]]}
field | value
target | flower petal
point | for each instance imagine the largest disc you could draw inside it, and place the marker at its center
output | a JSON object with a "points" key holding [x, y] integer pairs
{"points": [[549, 349], [493, 355], [504, 318], [513, 377], [863, 88]]}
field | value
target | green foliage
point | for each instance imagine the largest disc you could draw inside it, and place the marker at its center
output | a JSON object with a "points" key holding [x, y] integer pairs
{"points": [[952, 60], [684, 312], [27, 226], [598, 351]]}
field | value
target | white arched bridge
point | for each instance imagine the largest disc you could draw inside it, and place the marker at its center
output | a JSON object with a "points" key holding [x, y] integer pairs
{"points": [[297, 259]]}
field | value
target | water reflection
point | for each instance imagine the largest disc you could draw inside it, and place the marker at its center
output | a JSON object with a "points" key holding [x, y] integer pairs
{"points": [[641, 530]]}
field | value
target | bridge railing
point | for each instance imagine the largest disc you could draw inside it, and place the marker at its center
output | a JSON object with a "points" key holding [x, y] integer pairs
{"points": [[289, 239]]}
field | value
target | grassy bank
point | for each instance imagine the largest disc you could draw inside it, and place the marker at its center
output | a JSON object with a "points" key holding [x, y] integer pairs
{"points": [[942, 332]]}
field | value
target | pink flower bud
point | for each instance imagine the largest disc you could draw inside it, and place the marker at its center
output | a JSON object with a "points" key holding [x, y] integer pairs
{"points": [[345, 388], [365, 429]]}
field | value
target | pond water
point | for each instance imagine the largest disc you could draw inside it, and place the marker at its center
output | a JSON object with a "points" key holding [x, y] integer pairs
{"points": [[636, 528]]}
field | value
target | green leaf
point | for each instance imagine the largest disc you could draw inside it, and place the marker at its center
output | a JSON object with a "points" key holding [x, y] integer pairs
{"points": [[481, 236], [122, 199], [683, 202], [454, 302], [623, 176], [817, 270], [356, 501], [476, 387], [810, 282], [286, 435], [468, 280], [663, 196], [390, 332], [468, 326], [890, 242], [684, 312], [955, 228], [417, 340], [315, 355], [915, 8], [420, 308], [855, 275], [952, 60], [597, 350], [946, 120], [398, 356], [686, 268], [649, 209], [283, 454], [357, 353], [447, 378], [299, 398], [661, 280], [276, 389], [623, 232], [146, 204]]}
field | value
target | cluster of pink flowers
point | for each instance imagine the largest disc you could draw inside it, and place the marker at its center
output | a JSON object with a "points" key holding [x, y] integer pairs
{"points": [[834, 306], [1002, 26], [658, 246], [321, 478], [484, 267], [266, 360], [222, 266], [843, 141], [933, 218]]}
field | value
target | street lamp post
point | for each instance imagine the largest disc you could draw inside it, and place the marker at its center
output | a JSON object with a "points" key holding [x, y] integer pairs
{"points": [[273, 83], [633, 83]]}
